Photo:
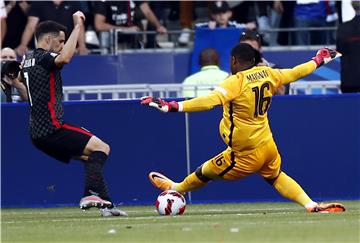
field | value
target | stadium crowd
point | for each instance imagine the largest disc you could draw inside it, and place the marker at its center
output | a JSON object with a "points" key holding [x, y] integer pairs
{"points": [[19, 19]]}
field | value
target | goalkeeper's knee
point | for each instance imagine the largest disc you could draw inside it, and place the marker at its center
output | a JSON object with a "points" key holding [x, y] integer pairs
{"points": [[271, 181], [201, 176]]}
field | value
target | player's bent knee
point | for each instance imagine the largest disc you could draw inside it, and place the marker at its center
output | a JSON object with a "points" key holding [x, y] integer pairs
{"points": [[95, 144], [271, 181], [201, 176], [103, 147], [106, 148]]}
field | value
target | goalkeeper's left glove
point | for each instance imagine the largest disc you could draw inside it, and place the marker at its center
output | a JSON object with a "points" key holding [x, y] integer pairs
{"points": [[325, 55], [160, 104]]}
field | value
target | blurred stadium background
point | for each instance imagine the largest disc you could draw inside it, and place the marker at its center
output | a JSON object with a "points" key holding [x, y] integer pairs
{"points": [[315, 126]]}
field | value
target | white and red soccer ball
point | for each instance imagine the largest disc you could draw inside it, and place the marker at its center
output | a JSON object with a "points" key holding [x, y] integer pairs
{"points": [[170, 203]]}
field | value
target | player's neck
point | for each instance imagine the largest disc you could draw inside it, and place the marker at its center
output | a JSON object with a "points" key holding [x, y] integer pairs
{"points": [[43, 45], [244, 67]]}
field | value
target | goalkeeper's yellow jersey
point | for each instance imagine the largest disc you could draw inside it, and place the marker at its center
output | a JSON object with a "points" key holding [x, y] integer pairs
{"points": [[246, 98]]}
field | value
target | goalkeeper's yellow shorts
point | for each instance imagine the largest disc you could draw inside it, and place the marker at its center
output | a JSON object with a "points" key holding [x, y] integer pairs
{"points": [[228, 165]]}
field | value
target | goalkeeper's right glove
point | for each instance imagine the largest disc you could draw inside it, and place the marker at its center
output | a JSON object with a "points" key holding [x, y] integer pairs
{"points": [[160, 104], [325, 55]]}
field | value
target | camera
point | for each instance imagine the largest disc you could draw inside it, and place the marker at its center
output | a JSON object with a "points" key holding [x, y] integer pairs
{"points": [[10, 69]]}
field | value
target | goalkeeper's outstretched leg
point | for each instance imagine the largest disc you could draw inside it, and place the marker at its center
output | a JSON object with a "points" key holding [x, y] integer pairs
{"points": [[192, 182], [290, 189]]}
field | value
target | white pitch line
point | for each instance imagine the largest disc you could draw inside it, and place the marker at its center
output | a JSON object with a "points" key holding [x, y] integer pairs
{"points": [[135, 211], [157, 217], [162, 223], [248, 212]]}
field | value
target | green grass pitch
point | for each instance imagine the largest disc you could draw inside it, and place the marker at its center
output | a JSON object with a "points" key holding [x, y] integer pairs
{"points": [[241, 222]]}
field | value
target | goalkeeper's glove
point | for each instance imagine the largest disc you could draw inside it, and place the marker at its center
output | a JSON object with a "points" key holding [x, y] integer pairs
{"points": [[325, 55], [160, 104]]}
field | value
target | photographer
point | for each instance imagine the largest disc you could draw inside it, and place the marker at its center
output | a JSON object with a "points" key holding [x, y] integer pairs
{"points": [[11, 80]]}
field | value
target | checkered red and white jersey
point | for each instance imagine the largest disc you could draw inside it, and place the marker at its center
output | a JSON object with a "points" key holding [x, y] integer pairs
{"points": [[44, 84]]}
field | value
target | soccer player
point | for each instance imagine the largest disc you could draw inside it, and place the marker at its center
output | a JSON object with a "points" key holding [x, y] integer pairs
{"points": [[48, 131], [245, 97]]}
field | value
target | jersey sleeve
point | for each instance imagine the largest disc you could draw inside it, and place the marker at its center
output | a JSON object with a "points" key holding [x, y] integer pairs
{"points": [[201, 103], [230, 88], [47, 61], [285, 76], [227, 90]]}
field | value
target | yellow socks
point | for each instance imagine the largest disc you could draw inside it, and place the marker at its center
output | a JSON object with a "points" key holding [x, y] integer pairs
{"points": [[284, 184], [290, 189], [190, 183]]}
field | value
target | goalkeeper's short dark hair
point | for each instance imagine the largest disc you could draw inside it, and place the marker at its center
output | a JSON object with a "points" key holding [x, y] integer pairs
{"points": [[244, 53], [48, 27]]}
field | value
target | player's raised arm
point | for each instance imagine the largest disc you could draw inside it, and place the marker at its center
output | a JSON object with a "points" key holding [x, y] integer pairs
{"points": [[70, 46], [225, 92], [201, 103], [323, 56]]}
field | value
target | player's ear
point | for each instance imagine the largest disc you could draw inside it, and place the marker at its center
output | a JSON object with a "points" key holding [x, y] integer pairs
{"points": [[230, 13], [233, 60], [257, 58], [48, 39], [233, 65]]}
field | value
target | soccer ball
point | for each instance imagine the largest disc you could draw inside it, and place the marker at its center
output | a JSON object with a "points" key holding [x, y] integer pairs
{"points": [[170, 203]]}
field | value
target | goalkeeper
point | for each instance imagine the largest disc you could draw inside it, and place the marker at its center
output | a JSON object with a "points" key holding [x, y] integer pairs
{"points": [[246, 97]]}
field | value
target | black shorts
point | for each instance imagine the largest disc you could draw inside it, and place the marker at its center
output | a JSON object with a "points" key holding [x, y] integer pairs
{"points": [[67, 142]]}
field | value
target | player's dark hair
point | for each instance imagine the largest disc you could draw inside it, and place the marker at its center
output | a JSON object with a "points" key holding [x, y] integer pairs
{"points": [[244, 53], [209, 56], [48, 27]]}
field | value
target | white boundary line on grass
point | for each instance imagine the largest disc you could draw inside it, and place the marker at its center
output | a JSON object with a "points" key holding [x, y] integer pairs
{"points": [[198, 210], [161, 223]]}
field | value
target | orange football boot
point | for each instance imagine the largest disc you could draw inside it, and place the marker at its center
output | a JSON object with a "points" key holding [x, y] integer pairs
{"points": [[160, 181], [327, 208]]}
